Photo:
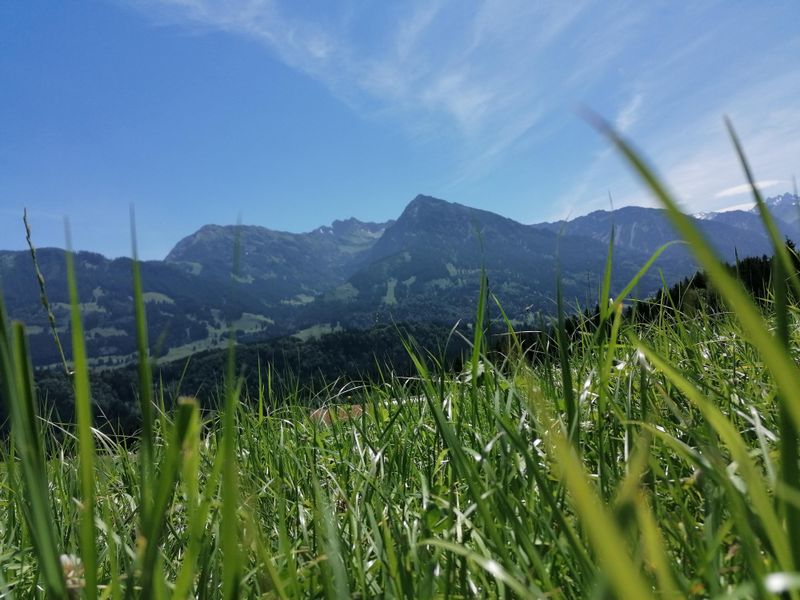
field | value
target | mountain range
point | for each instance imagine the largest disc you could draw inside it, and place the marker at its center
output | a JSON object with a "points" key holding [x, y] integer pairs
{"points": [[423, 266]]}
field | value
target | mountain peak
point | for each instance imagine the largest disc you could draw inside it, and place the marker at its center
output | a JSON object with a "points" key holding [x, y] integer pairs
{"points": [[424, 200], [782, 200], [783, 206], [352, 230], [436, 213]]}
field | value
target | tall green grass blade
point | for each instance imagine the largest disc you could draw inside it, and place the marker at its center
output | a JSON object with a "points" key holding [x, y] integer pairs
{"points": [[605, 289], [273, 579], [43, 299], [146, 457], [641, 273], [164, 490], [492, 568], [478, 343], [199, 519], [655, 550], [570, 401], [790, 455], [462, 464], [5, 590], [86, 449], [606, 538], [784, 270], [757, 492], [230, 482], [334, 573], [608, 351], [16, 384], [778, 245], [114, 588]]}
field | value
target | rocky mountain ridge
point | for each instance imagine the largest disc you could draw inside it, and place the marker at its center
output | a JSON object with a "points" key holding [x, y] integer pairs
{"points": [[424, 266]]}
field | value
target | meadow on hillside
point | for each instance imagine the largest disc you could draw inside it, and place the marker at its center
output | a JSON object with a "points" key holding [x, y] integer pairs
{"points": [[656, 459]]}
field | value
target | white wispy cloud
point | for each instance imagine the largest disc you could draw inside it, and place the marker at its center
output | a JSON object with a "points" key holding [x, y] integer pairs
{"points": [[742, 206], [629, 113], [484, 74], [745, 188]]}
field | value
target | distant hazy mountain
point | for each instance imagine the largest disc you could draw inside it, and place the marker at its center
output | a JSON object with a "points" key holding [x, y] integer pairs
{"points": [[425, 266], [646, 229], [750, 223], [279, 266], [785, 207]]}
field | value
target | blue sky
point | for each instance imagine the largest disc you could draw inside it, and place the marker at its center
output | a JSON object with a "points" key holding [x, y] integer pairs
{"points": [[293, 114]]}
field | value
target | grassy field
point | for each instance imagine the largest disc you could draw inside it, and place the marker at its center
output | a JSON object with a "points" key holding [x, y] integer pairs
{"points": [[648, 461]]}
